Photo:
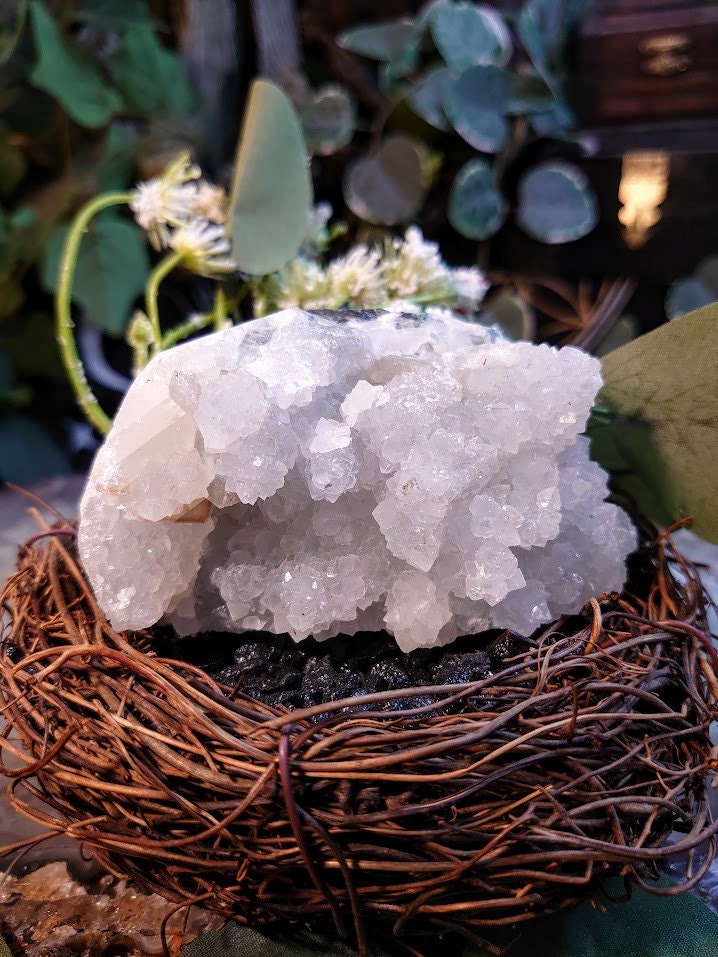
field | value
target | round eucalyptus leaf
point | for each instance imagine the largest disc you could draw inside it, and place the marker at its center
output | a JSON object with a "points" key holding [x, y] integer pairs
{"points": [[428, 95], [475, 103], [476, 207], [470, 34], [556, 203], [512, 315], [328, 119], [625, 329], [527, 93], [685, 295], [557, 121], [386, 186], [707, 272]]}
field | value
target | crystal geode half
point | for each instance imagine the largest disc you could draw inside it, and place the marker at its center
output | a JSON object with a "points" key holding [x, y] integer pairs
{"points": [[320, 473]]}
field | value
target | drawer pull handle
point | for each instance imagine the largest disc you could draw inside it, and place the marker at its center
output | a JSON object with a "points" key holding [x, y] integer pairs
{"points": [[665, 54]]}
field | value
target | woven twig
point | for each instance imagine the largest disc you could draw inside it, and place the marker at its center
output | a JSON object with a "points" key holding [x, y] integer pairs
{"points": [[503, 799]]}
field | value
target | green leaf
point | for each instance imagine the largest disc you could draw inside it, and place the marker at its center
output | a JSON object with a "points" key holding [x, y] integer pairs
{"points": [[111, 16], [476, 207], [666, 384], [10, 32], [328, 119], [152, 79], [380, 41], [29, 343], [6, 376], [557, 121], [387, 185], [685, 295], [512, 315], [527, 93], [693, 292], [66, 75], [624, 329], [13, 164], [428, 95], [476, 103], [112, 267], [271, 189], [28, 452], [115, 167], [556, 203], [470, 34]]}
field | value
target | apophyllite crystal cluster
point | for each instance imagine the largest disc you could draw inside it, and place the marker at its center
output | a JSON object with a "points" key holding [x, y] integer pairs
{"points": [[319, 473]]}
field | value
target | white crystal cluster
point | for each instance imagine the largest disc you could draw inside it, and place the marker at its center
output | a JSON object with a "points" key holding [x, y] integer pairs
{"points": [[325, 473]]}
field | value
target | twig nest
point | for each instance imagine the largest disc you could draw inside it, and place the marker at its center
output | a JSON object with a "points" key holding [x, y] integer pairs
{"points": [[325, 473]]}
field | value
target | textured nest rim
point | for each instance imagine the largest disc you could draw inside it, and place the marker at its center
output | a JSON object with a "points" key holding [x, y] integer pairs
{"points": [[585, 757]]}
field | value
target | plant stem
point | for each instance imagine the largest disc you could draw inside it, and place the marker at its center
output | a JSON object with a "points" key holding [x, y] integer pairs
{"points": [[163, 268], [219, 313], [63, 312], [199, 321]]}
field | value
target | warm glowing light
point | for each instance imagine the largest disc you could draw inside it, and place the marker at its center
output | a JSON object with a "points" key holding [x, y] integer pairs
{"points": [[644, 185]]}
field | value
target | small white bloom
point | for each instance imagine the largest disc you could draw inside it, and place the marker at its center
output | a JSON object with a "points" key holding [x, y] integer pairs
{"points": [[204, 247], [305, 284], [414, 269], [357, 279], [210, 202], [471, 286], [316, 237], [167, 200]]}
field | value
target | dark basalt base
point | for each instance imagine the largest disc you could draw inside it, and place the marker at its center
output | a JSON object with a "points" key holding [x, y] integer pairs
{"points": [[278, 671]]}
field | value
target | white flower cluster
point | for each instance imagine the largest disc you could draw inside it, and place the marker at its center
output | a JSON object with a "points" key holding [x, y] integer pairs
{"points": [[183, 212], [404, 273]]}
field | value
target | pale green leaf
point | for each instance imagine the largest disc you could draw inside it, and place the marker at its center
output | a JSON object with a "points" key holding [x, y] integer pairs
{"points": [[112, 267], [512, 315], [428, 95], [666, 382], [470, 34], [556, 203], [387, 185], [67, 75], [380, 41], [476, 104], [328, 119], [476, 207], [271, 188]]}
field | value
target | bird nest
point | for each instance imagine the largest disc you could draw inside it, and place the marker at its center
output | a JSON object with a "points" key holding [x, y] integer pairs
{"points": [[586, 756]]}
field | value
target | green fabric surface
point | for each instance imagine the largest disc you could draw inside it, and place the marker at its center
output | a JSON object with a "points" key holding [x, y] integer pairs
{"points": [[645, 926]]}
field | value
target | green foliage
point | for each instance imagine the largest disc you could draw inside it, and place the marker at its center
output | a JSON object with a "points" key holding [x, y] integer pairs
{"points": [[693, 292], [328, 119], [556, 204], [29, 453], [656, 429], [385, 41], [72, 123], [476, 104], [112, 268], [150, 78], [470, 34], [67, 75], [386, 186], [511, 314], [497, 85], [476, 207], [271, 188]]}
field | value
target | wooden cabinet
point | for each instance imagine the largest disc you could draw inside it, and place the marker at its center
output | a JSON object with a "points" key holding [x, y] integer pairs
{"points": [[642, 60]]}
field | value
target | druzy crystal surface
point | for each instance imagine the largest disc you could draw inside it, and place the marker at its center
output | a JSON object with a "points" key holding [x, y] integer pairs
{"points": [[319, 473]]}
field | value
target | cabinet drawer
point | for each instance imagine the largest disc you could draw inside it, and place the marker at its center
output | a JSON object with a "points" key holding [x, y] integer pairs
{"points": [[637, 63]]}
